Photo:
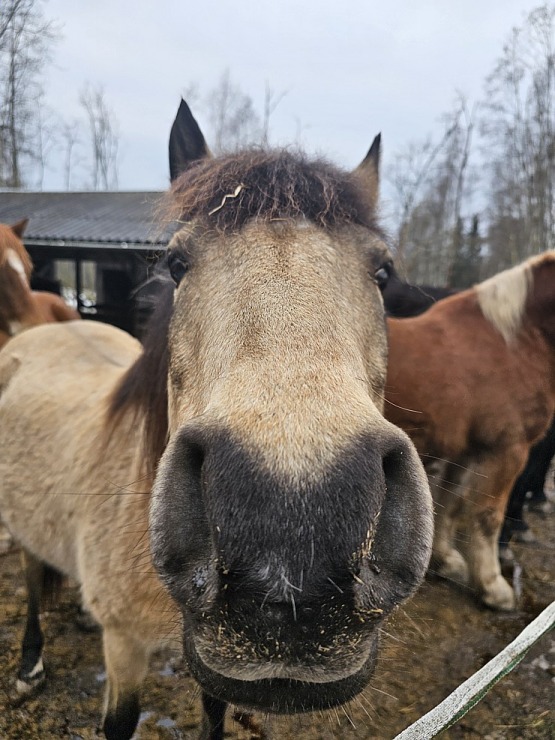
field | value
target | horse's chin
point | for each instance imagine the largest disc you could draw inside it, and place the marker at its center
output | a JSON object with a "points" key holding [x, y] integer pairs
{"points": [[280, 695]]}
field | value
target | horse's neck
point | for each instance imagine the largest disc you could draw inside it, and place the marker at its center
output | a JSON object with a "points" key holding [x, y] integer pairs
{"points": [[30, 315]]}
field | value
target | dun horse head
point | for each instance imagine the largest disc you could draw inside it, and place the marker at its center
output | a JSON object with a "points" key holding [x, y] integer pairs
{"points": [[288, 517]]}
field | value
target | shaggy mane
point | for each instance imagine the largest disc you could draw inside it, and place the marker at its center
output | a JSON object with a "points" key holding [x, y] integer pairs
{"points": [[503, 297], [142, 393], [227, 192]]}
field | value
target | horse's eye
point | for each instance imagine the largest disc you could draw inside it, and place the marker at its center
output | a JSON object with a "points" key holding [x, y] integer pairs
{"points": [[381, 276], [178, 265]]}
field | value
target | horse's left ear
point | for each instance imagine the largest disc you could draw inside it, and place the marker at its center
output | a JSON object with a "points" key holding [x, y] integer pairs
{"points": [[368, 172], [19, 228], [186, 141]]}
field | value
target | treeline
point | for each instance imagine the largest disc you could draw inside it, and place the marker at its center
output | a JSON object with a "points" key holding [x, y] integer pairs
{"points": [[477, 199], [31, 133], [481, 197]]}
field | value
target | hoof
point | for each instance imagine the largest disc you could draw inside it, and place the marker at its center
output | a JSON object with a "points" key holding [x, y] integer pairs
{"points": [[7, 543], [500, 596], [525, 536], [453, 567], [541, 507], [506, 555], [28, 686]]}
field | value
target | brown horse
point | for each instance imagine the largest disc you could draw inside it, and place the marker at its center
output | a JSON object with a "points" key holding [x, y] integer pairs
{"points": [[21, 307], [472, 381], [287, 517]]}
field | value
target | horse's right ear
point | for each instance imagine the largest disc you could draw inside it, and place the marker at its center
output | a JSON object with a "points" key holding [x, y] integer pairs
{"points": [[368, 172], [19, 228], [186, 141]]}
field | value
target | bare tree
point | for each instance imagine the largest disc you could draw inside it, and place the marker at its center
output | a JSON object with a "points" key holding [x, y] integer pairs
{"points": [[409, 172], [518, 131], [431, 185], [104, 138], [45, 139], [70, 140], [232, 116], [271, 102], [26, 40], [8, 11]]}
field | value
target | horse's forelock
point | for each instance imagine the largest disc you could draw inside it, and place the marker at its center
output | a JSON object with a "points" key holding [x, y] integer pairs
{"points": [[272, 185]]}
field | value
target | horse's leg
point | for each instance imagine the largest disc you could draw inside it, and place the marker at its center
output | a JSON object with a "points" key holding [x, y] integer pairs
{"points": [[126, 661], [447, 491], [39, 578], [514, 514], [213, 718], [484, 515]]}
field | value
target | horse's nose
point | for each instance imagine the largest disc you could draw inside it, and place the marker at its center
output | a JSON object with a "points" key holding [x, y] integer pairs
{"points": [[285, 540]]}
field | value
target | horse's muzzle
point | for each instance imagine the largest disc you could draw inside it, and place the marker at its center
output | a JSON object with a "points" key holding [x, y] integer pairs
{"points": [[283, 695], [284, 584]]}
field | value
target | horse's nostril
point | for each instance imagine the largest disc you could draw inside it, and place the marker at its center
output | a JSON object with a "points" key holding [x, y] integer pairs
{"points": [[195, 459]]}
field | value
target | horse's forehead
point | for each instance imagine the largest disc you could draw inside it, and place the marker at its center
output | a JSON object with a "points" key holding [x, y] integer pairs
{"points": [[299, 237], [16, 263]]}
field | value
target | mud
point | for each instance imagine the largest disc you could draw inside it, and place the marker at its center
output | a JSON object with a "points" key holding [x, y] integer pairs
{"points": [[429, 647]]}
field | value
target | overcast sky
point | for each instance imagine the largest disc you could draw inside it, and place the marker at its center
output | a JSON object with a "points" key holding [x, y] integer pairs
{"points": [[349, 69]]}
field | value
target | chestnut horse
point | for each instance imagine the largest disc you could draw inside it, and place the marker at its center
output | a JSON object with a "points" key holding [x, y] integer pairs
{"points": [[472, 381], [403, 300], [21, 307], [244, 447]]}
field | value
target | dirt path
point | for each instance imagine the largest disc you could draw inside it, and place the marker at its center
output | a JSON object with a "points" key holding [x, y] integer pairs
{"points": [[431, 646]]}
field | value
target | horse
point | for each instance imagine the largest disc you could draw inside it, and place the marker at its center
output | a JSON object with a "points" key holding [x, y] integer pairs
{"points": [[21, 307], [531, 480], [233, 483], [403, 299], [472, 383]]}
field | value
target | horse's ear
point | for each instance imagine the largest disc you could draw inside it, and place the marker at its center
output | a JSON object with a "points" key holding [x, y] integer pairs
{"points": [[19, 228], [186, 141], [368, 172]]}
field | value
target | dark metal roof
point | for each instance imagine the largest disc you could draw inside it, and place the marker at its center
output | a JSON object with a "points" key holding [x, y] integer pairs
{"points": [[103, 218]]}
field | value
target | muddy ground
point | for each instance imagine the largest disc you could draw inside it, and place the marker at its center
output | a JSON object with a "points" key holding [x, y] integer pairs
{"points": [[430, 646]]}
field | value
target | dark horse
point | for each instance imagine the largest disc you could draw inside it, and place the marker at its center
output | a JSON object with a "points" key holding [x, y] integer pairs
{"points": [[402, 299], [531, 480], [244, 447]]}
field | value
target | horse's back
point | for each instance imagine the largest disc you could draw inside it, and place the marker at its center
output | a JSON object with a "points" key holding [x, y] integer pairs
{"points": [[55, 384], [53, 307], [89, 343]]}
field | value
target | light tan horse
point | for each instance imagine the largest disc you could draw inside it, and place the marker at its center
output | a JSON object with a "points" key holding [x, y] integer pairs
{"points": [[472, 381], [287, 517], [21, 307]]}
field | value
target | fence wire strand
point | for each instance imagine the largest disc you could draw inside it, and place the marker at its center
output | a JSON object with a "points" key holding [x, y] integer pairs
{"points": [[468, 694]]}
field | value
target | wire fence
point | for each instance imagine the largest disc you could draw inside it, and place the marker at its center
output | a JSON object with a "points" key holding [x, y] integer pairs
{"points": [[468, 694]]}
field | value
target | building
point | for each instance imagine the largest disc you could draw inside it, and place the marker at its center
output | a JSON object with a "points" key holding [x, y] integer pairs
{"points": [[100, 250]]}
